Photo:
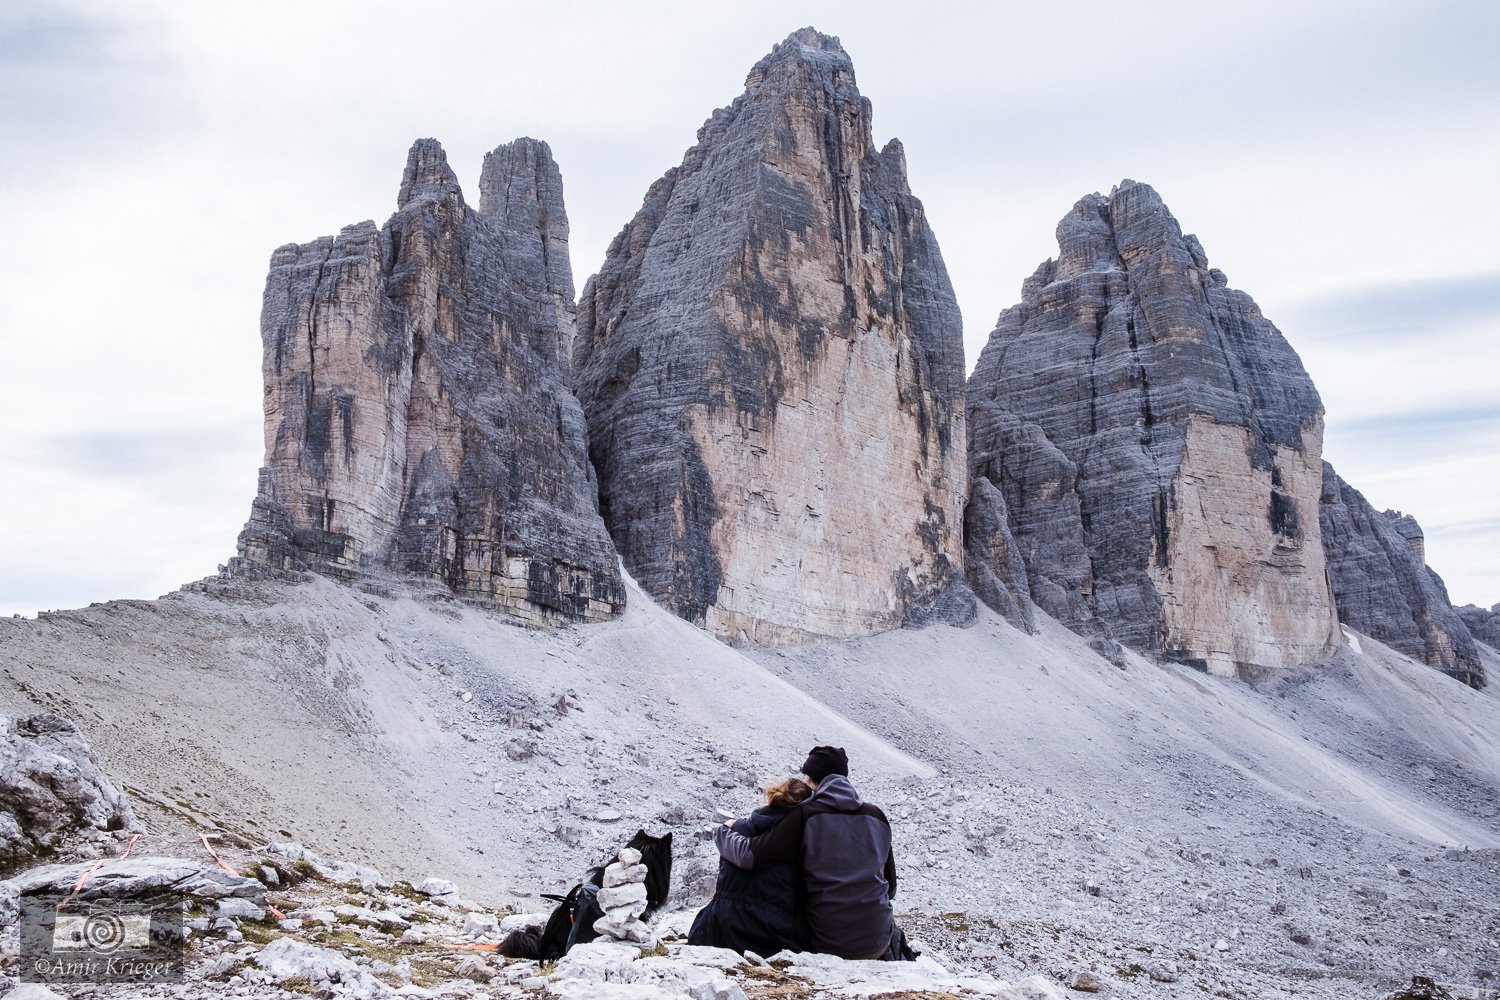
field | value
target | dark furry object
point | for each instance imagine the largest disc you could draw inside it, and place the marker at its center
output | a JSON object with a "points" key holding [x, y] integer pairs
{"points": [[656, 855], [525, 942]]}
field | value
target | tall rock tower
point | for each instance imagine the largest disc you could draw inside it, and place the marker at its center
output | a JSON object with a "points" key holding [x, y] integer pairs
{"points": [[1157, 447], [418, 414], [771, 363]]}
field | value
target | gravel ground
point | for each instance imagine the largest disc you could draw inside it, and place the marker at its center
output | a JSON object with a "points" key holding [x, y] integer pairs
{"points": [[1328, 833]]}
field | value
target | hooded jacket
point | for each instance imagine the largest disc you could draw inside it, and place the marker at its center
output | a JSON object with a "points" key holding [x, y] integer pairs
{"points": [[848, 871], [759, 911]]}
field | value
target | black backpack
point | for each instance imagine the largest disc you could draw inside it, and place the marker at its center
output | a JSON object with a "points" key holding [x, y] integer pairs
{"points": [[572, 920]]}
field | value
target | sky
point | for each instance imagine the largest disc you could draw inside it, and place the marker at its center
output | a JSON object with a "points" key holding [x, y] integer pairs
{"points": [[1337, 160]]}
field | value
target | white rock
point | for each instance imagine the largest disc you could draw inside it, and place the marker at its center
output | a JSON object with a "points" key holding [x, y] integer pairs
{"points": [[619, 916], [478, 925], [1035, 988], [618, 874], [130, 877], [437, 887], [287, 958], [1162, 971], [33, 991], [516, 921], [713, 958], [239, 908], [317, 916], [597, 961], [629, 929], [629, 856], [620, 896], [369, 879]]}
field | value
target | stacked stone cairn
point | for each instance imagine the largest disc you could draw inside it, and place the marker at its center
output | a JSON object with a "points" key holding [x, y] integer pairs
{"points": [[623, 899]]}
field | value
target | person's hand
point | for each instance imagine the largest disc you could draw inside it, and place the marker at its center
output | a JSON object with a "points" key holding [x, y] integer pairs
{"points": [[729, 822]]}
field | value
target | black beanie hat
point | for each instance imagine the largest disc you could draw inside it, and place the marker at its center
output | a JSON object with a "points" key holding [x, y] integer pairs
{"points": [[823, 761]]}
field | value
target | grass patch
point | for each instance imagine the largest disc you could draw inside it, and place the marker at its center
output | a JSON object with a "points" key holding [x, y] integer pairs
{"points": [[957, 922], [260, 933], [428, 972]]}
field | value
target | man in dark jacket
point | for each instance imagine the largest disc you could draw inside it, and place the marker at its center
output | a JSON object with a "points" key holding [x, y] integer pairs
{"points": [[844, 846]]}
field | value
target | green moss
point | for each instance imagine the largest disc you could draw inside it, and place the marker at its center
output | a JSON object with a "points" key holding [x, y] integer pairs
{"points": [[262, 933]]}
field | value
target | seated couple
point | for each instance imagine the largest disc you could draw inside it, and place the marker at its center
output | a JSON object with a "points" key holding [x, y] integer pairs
{"points": [[811, 870]]}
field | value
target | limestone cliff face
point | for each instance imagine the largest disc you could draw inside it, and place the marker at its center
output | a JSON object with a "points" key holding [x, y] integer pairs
{"points": [[771, 363], [1383, 586], [418, 414], [1158, 445], [1483, 625]]}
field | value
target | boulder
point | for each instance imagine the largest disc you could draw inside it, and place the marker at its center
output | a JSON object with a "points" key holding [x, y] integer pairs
{"points": [[130, 878], [319, 968], [53, 793]]}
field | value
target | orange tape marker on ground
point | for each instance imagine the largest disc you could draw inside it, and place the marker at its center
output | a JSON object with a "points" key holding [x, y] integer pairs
{"points": [[88, 873], [213, 854], [225, 865]]}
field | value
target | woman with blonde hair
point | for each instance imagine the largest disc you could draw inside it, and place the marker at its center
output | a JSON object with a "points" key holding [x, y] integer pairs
{"points": [[760, 910]]}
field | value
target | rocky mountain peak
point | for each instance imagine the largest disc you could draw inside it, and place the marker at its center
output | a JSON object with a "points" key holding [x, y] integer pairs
{"points": [[1157, 445], [779, 305], [418, 416], [427, 176], [806, 50]]}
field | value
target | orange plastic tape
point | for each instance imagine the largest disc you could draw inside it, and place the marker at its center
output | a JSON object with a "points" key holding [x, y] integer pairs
{"points": [[211, 853]]}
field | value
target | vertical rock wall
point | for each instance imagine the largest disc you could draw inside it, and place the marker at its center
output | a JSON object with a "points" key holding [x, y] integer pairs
{"points": [[1383, 586], [771, 363], [418, 411], [1158, 446], [1483, 625]]}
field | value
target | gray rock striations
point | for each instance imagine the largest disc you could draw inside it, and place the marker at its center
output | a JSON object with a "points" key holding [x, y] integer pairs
{"points": [[771, 362], [1158, 446], [1483, 625], [1378, 565], [54, 797], [418, 411]]}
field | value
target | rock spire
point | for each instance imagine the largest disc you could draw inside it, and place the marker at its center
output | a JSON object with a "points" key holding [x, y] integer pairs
{"points": [[418, 412], [1157, 445], [771, 363]]}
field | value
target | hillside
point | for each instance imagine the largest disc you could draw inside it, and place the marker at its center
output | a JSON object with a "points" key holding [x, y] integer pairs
{"points": [[1052, 810]]}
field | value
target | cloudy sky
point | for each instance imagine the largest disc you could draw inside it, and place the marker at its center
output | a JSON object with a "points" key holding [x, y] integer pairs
{"points": [[1337, 160]]}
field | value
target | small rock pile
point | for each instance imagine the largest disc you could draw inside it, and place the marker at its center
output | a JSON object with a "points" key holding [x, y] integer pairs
{"points": [[623, 899]]}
